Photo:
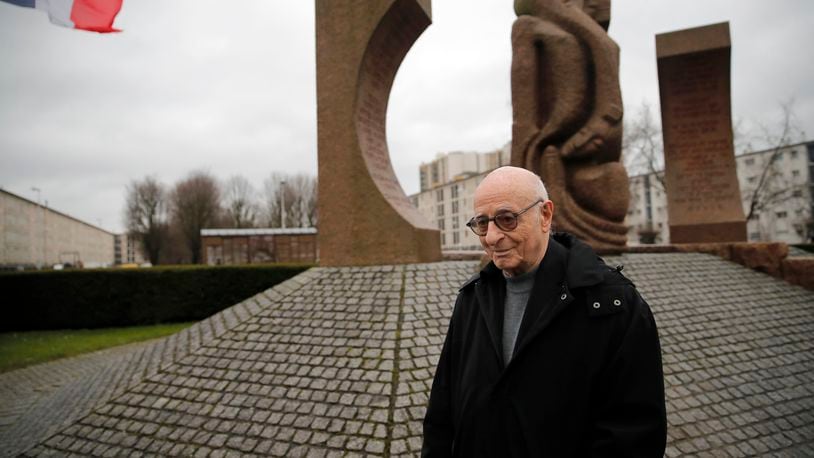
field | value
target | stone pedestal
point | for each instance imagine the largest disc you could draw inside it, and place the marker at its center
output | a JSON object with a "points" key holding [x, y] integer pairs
{"points": [[364, 216], [703, 196]]}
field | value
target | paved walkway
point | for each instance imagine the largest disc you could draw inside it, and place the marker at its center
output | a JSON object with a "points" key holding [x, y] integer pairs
{"points": [[37, 400], [339, 361]]}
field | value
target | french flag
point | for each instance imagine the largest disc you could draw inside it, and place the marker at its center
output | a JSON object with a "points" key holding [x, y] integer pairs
{"points": [[92, 15]]}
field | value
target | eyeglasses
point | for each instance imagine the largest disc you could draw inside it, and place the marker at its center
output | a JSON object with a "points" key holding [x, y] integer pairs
{"points": [[505, 221]]}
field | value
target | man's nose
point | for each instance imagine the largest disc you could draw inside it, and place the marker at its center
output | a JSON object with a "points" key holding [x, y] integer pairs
{"points": [[493, 233]]}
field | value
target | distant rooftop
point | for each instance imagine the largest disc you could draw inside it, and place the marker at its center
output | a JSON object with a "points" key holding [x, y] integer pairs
{"points": [[260, 231]]}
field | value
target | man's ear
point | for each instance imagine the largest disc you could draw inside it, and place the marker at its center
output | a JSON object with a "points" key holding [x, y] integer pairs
{"points": [[546, 215]]}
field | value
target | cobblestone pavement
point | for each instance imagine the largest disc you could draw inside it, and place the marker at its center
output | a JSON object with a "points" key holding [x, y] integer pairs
{"points": [[30, 393], [339, 361]]}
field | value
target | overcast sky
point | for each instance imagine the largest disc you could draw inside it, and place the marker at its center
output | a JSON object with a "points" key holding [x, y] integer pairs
{"points": [[229, 87]]}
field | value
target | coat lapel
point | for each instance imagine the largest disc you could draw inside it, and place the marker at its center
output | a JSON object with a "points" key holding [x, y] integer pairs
{"points": [[546, 300], [490, 301]]}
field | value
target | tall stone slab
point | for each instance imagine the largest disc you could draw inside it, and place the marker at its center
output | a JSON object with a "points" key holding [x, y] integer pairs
{"points": [[703, 196], [364, 216]]}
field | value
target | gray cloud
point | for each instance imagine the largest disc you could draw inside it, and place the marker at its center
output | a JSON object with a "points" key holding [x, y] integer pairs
{"points": [[230, 88]]}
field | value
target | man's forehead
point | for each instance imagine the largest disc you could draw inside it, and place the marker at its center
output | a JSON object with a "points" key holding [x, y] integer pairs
{"points": [[510, 191], [495, 198]]}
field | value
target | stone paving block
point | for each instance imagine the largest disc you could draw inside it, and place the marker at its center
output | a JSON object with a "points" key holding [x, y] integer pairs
{"points": [[339, 361]]}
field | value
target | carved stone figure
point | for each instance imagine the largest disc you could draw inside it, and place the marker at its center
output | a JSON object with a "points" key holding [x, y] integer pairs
{"points": [[567, 109]]}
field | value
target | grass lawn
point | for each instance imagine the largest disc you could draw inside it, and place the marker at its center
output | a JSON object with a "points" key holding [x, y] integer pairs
{"points": [[20, 349]]}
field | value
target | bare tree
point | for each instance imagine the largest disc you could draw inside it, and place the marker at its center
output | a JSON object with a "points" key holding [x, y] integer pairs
{"points": [[643, 154], [303, 189], [298, 193], [195, 206], [642, 145], [239, 202], [272, 200], [146, 216], [769, 187]]}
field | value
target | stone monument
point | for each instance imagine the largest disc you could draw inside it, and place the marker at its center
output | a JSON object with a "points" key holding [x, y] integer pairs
{"points": [[703, 196], [364, 216], [567, 110]]}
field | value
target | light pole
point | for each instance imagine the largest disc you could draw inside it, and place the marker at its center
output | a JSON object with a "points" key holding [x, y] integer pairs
{"points": [[282, 204]]}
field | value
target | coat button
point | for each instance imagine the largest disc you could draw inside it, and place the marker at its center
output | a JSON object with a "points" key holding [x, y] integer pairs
{"points": [[617, 302], [596, 305], [563, 297]]}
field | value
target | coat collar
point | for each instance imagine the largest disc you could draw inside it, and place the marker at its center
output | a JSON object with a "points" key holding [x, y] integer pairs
{"points": [[583, 267], [567, 264]]}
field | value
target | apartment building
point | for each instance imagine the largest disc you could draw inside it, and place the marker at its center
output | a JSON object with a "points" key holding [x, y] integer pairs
{"points": [[776, 186], [459, 165], [778, 183], [450, 207], [447, 188], [127, 250]]}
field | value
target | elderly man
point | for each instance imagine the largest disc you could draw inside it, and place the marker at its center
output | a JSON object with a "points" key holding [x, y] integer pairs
{"points": [[549, 351]]}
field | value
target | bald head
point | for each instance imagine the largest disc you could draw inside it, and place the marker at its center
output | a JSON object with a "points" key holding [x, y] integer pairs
{"points": [[518, 243], [520, 181]]}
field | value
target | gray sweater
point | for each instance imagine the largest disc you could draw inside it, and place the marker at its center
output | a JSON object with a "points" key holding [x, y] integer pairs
{"points": [[518, 290]]}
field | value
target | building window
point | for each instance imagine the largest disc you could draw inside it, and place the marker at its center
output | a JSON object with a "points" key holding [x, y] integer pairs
{"points": [[754, 236], [440, 209], [750, 161], [794, 154], [795, 173], [455, 222], [454, 191], [456, 238], [455, 207], [797, 193], [439, 195], [443, 239], [441, 224], [780, 215]]}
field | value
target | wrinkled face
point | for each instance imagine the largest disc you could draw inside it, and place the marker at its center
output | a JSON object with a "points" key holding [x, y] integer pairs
{"points": [[519, 250]]}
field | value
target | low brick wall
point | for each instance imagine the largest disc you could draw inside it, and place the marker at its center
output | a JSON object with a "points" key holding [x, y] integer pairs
{"points": [[799, 271]]}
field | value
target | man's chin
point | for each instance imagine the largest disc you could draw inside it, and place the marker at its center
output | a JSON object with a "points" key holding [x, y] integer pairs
{"points": [[504, 263]]}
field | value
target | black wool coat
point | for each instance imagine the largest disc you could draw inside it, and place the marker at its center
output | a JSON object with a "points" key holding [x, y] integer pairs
{"points": [[585, 378]]}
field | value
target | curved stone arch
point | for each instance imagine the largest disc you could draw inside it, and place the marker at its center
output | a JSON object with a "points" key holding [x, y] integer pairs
{"points": [[364, 216], [398, 30]]}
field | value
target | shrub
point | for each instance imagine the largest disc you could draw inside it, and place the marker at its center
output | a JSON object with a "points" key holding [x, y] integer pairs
{"points": [[805, 246], [94, 298]]}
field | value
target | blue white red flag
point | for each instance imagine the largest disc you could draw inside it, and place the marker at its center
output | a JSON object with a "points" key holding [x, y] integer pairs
{"points": [[93, 15]]}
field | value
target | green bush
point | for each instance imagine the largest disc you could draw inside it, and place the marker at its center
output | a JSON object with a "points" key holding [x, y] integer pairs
{"points": [[96, 298], [805, 246]]}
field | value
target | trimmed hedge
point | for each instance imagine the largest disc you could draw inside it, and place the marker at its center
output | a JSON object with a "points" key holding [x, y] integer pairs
{"points": [[96, 298], [805, 246]]}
